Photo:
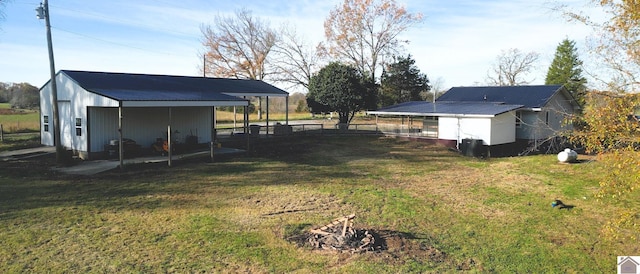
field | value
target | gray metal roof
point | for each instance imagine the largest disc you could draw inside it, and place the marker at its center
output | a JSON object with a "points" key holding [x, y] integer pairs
{"points": [[529, 96], [147, 87], [422, 108]]}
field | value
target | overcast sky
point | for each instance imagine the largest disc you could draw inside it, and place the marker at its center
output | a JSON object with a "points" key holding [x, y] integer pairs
{"points": [[456, 44]]}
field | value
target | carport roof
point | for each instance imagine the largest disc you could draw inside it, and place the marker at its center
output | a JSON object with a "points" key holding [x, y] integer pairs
{"points": [[468, 109], [148, 87]]}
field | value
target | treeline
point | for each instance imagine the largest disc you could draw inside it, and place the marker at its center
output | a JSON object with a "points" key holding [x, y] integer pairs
{"points": [[20, 95]]}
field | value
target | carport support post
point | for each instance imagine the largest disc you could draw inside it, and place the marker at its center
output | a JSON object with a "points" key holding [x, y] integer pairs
{"points": [[120, 146], [286, 110], [246, 125], [169, 145], [213, 131], [267, 116]]}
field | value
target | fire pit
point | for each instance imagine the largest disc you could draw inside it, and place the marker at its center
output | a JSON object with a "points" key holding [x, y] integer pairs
{"points": [[340, 235]]}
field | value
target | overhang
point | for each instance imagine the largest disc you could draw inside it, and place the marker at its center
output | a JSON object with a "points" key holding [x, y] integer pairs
{"points": [[446, 109]]}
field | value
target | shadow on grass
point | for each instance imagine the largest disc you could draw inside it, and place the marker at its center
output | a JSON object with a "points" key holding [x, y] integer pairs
{"points": [[30, 184]]}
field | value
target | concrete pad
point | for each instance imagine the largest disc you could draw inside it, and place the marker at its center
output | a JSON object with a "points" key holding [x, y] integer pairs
{"points": [[88, 167], [93, 167], [26, 153]]}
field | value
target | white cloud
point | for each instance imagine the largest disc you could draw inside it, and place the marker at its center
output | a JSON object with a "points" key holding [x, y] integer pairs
{"points": [[457, 42]]}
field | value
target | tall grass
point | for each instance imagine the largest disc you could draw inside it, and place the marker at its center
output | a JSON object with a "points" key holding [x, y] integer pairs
{"points": [[26, 121]]}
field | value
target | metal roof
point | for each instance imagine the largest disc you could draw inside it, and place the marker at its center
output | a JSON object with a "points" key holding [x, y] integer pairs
{"points": [[422, 108], [529, 96], [148, 87]]}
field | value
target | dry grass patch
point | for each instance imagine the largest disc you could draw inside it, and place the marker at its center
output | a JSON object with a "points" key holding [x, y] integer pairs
{"points": [[435, 210]]}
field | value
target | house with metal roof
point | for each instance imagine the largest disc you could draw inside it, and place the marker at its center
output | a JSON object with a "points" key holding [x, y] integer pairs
{"points": [[96, 108], [493, 115]]}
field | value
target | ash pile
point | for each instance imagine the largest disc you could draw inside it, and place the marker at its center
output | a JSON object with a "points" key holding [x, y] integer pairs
{"points": [[340, 235]]}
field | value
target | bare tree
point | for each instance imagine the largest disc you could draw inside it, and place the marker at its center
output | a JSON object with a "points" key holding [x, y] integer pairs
{"points": [[295, 59], [615, 41], [511, 67], [238, 46], [3, 4], [365, 32]]}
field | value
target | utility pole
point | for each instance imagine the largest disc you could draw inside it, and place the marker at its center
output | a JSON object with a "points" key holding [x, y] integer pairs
{"points": [[43, 13]]}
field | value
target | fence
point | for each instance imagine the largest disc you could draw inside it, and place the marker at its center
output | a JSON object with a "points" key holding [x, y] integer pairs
{"points": [[298, 129], [324, 129]]}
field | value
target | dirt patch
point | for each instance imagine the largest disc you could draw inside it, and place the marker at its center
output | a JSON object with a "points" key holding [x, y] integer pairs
{"points": [[392, 247]]}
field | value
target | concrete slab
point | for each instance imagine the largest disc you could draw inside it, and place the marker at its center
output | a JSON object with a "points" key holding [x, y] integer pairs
{"points": [[93, 167], [26, 153]]}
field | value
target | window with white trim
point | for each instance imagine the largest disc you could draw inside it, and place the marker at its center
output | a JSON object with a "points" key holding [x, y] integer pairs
{"points": [[78, 126], [45, 123]]}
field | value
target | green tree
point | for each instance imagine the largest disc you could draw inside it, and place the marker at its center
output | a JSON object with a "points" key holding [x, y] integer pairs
{"points": [[609, 127], [342, 89], [565, 69], [20, 95], [402, 82]]}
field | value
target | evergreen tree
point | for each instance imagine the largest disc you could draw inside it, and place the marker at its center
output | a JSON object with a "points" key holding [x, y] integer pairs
{"points": [[402, 82], [566, 70]]}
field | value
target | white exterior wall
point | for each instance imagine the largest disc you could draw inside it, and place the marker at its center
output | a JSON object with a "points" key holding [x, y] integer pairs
{"points": [[448, 128], [103, 127], [73, 101], [475, 128], [491, 130], [144, 125], [503, 129], [458, 128]]}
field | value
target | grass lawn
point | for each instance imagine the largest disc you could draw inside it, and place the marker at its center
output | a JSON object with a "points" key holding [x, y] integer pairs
{"points": [[18, 121], [20, 141], [439, 212]]}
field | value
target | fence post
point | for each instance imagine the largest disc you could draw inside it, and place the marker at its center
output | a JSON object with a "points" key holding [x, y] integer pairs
{"points": [[1, 133]]}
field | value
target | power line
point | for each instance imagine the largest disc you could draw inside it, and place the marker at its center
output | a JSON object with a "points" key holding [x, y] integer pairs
{"points": [[95, 14], [114, 43]]}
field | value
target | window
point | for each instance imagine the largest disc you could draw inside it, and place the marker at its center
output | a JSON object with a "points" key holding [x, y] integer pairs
{"points": [[45, 123], [78, 126], [546, 118], [518, 119]]}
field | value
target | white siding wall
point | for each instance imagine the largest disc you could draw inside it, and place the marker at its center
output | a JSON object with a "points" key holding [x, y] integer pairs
{"points": [[46, 137], [66, 125], [448, 128], [453, 128], [144, 125], [103, 127], [73, 101], [503, 129], [475, 128]]}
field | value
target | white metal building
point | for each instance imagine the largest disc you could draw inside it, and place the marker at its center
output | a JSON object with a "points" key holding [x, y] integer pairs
{"points": [[495, 115], [96, 107]]}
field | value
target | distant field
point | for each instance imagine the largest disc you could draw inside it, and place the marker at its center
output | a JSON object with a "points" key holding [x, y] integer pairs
{"points": [[19, 121], [226, 116]]}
